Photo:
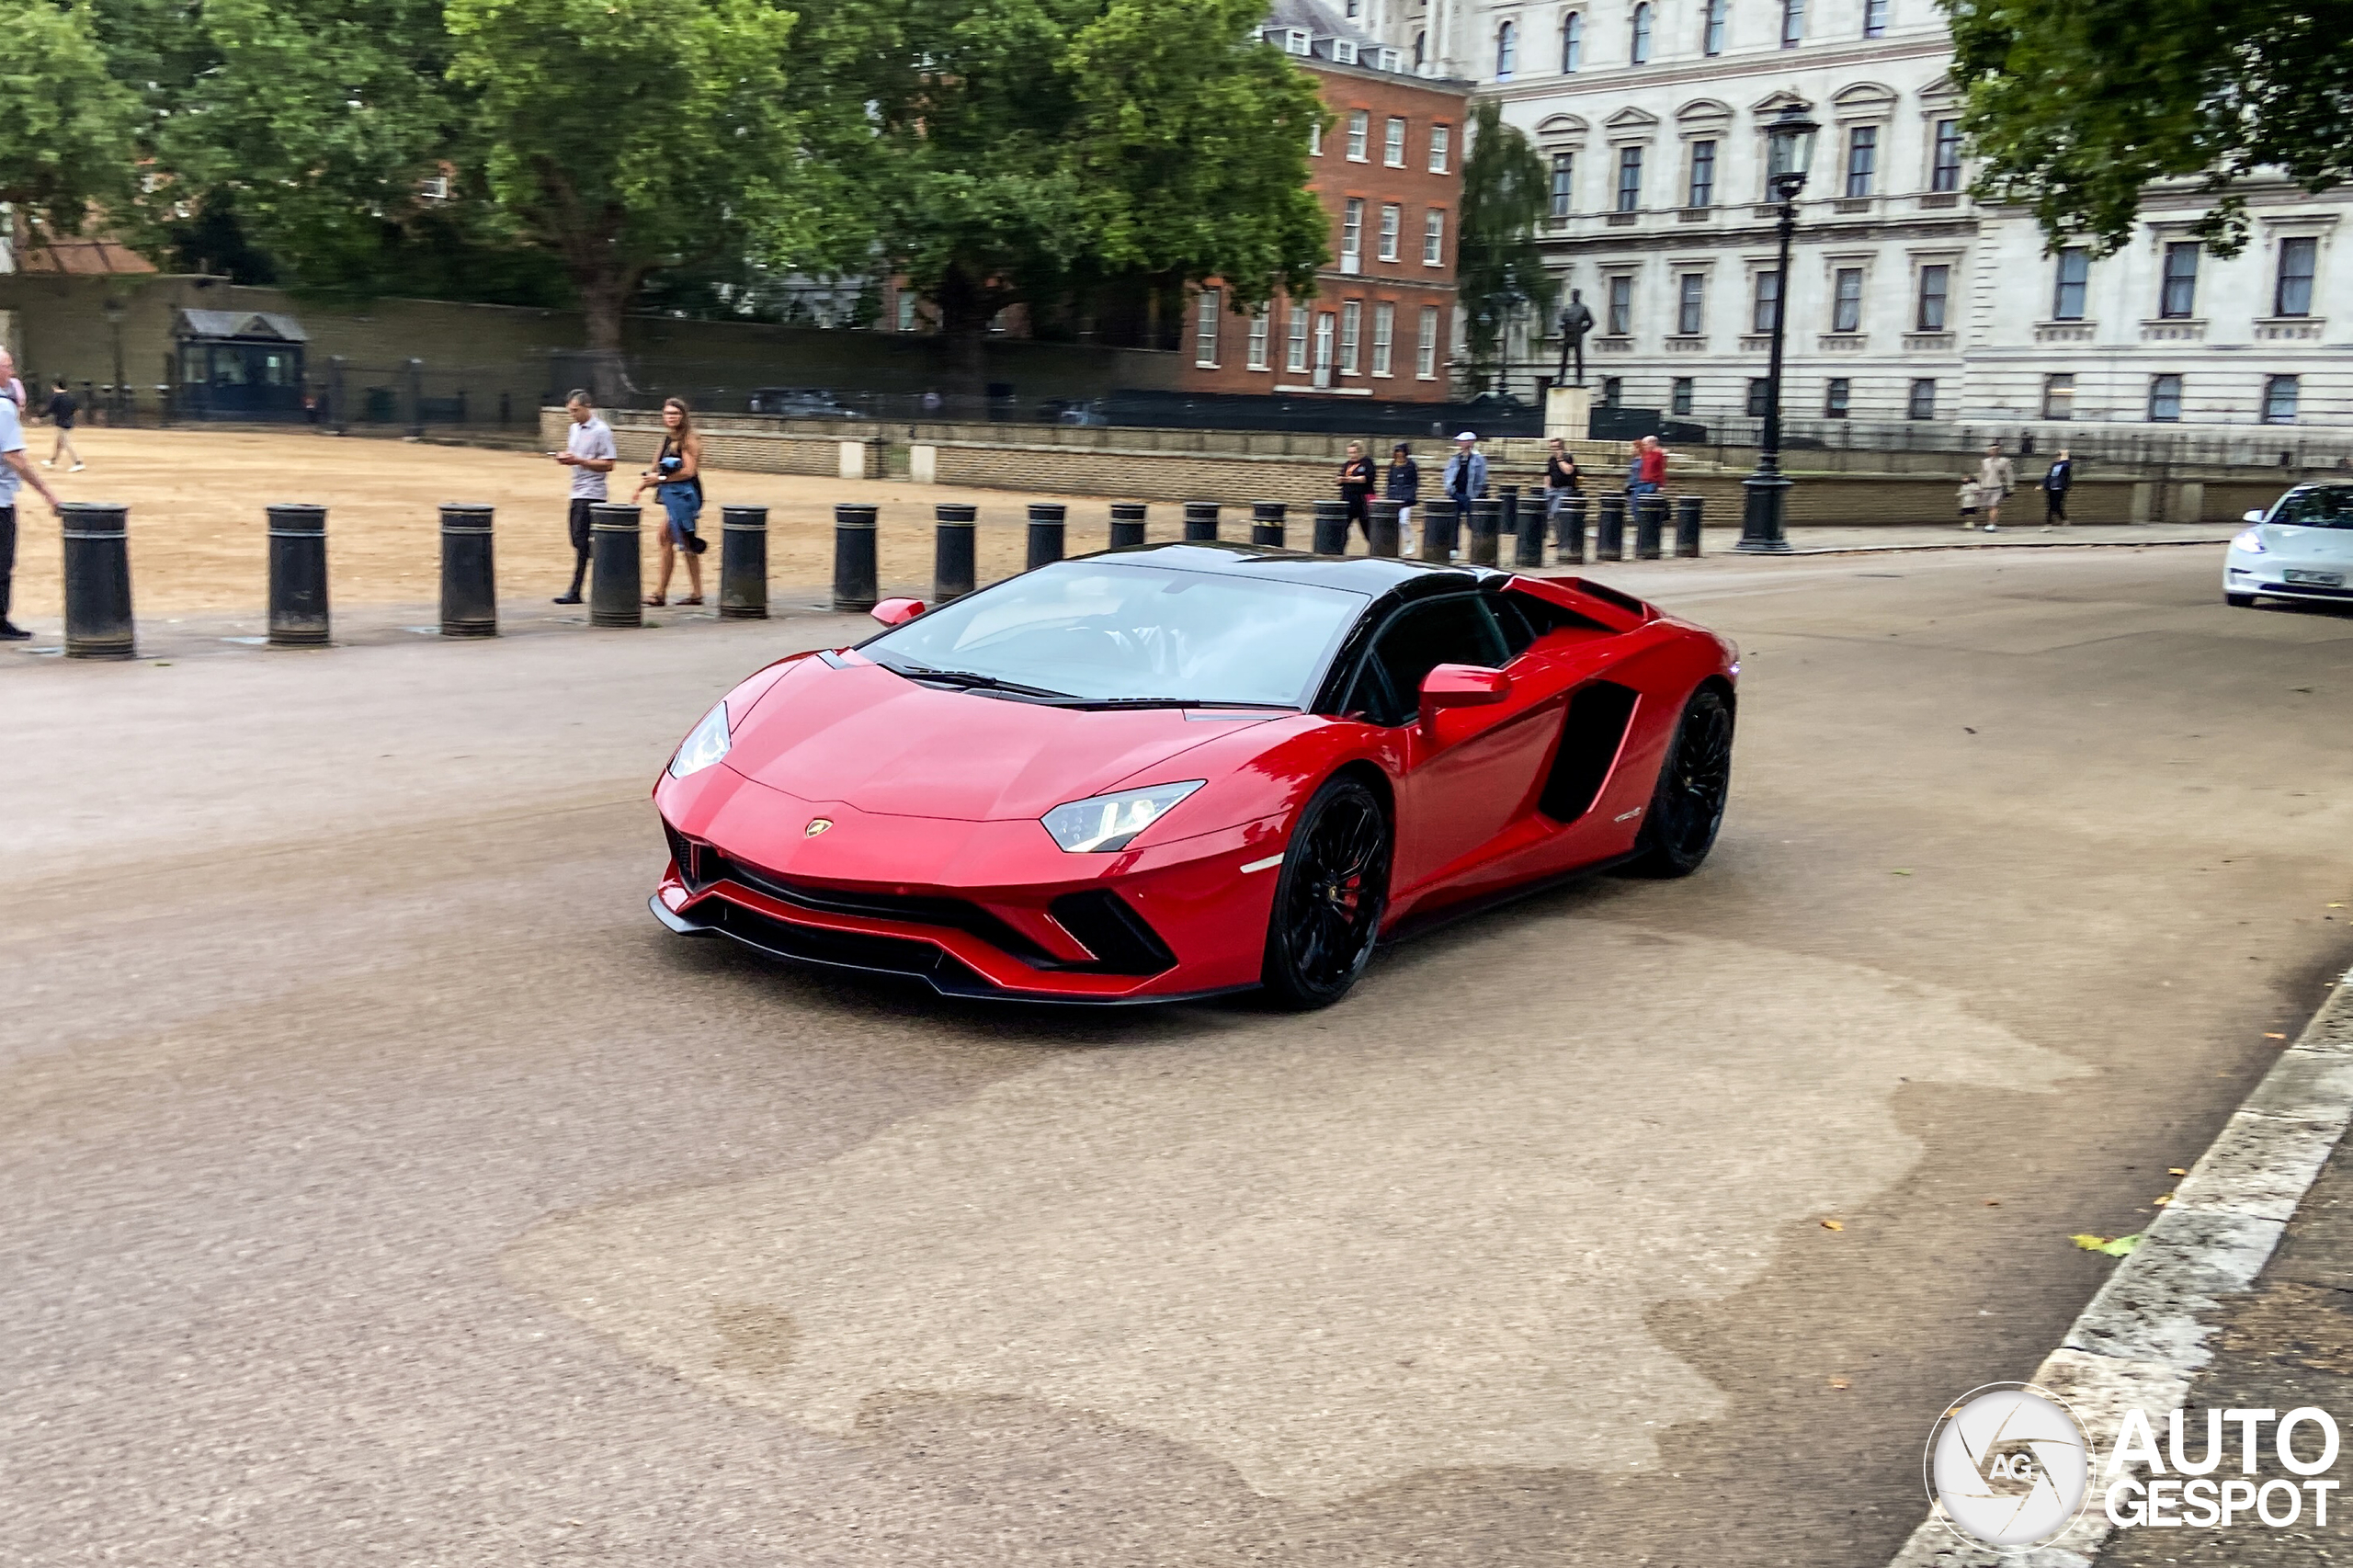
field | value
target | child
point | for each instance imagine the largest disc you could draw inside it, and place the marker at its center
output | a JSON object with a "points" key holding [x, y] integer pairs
{"points": [[1968, 498]]}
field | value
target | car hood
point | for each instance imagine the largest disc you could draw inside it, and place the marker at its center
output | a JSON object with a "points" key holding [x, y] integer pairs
{"points": [[861, 734], [2307, 543]]}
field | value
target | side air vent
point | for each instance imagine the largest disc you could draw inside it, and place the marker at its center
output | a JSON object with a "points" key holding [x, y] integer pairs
{"points": [[694, 859], [1108, 926], [1591, 733]]}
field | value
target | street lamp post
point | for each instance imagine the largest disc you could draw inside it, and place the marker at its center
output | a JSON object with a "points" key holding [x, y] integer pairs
{"points": [[1789, 140], [113, 309]]}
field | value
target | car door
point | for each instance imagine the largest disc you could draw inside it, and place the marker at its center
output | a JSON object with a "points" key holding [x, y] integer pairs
{"points": [[1466, 778]]}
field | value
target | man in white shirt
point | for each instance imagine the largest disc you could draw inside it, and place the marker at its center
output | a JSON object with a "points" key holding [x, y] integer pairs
{"points": [[15, 470], [590, 455]]}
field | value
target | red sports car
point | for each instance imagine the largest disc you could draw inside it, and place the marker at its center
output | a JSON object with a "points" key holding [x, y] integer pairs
{"points": [[1173, 770]]}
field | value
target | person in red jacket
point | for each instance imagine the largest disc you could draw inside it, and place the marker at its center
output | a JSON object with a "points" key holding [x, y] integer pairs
{"points": [[1650, 467]]}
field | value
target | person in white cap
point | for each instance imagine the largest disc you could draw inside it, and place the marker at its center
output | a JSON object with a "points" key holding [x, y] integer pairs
{"points": [[1466, 476]]}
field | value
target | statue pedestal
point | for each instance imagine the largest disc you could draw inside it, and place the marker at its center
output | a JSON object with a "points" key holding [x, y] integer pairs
{"points": [[1568, 412]]}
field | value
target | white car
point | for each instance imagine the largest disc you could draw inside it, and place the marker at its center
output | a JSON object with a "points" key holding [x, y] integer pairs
{"points": [[2302, 549]]}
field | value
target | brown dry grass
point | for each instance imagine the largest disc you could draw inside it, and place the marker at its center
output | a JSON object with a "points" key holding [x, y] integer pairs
{"points": [[199, 536]]}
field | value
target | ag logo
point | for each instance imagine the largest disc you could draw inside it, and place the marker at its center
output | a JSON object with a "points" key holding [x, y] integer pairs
{"points": [[816, 825], [2008, 1466]]}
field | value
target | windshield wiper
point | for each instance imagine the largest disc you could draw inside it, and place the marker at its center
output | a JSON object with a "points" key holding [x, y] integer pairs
{"points": [[971, 680]]}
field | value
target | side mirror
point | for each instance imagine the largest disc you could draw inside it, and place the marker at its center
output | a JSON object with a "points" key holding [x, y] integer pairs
{"points": [[1460, 685], [2251, 517], [897, 612]]}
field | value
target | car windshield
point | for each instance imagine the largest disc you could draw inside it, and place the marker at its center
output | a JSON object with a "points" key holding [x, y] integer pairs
{"points": [[1099, 631], [2319, 507]]}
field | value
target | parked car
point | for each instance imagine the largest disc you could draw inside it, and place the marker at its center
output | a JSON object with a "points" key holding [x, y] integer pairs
{"points": [[801, 402]]}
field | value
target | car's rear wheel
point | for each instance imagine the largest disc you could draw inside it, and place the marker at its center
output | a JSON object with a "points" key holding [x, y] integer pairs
{"points": [[1329, 896], [1688, 804], [2239, 601]]}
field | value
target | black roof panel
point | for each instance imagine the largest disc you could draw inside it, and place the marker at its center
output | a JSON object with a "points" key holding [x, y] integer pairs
{"points": [[1357, 573]]}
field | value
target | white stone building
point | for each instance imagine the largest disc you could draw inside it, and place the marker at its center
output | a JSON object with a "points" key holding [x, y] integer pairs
{"points": [[1915, 315]]}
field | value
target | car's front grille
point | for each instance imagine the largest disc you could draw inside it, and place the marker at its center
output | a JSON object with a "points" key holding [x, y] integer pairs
{"points": [[2313, 589], [912, 909], [847, 949]]}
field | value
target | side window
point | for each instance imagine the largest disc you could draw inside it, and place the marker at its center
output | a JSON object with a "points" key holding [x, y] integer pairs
{"points": [[1519, 634], [1452, 631]]}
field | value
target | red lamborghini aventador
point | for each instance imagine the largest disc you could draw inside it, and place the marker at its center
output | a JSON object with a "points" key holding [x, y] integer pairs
{"points": [[1177, 769]]}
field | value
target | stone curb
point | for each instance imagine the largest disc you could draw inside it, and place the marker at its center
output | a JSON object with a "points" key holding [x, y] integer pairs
{"points": [[2142, 1337]]}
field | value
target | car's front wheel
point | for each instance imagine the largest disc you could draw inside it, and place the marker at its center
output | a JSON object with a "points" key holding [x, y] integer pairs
{"points": [[2239, 601], [1688, 804], [1329, 897]]}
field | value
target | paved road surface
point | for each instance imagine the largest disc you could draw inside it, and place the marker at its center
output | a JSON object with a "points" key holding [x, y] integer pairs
{"points": [[378, 1183]]}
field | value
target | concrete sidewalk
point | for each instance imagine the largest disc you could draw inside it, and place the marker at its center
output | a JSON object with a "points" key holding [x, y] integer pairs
{"points": [[1906, 536]]}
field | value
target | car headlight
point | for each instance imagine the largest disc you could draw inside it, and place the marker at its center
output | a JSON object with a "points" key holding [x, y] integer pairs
{"points": [[2250, 541], [1107, 822], [704, 745]]}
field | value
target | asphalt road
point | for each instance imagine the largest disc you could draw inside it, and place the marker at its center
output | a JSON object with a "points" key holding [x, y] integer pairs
{"points": [[379, 1184]]}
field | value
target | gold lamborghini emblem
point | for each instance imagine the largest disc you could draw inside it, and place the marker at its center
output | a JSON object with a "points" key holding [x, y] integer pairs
{"points": [[816, 825]]}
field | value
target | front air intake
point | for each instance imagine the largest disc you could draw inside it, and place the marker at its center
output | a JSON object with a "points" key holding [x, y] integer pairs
{"points": [[1108, 926]]}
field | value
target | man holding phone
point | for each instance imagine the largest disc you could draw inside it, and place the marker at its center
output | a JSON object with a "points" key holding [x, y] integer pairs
{"points": [[590, 455]]}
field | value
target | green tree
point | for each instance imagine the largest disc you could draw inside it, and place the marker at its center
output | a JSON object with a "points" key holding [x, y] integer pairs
{"points": [[1499, 273], [2076, 107], [67, 129]]}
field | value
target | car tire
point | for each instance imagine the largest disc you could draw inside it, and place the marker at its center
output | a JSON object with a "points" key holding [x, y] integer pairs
{"points": [[1329, 896], [1687, 805], [2239, 601]]}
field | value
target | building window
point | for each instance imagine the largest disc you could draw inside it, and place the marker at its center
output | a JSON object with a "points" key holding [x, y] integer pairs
{"points": [[2058, 397], [1613, 391], [1295, 341], [1434, 237], [1315, 137], [1420, 42], [1259, 320], [1344, 50], [1834, 398], [2164, 400], [2280, 400], [1355, 9], [1767, 308], [1351, 334], [1622, 307], [906, 311], [1874, 18], [1793, 23], [1846, 300], [1391, 221], [2178, 297], [1391, 59], [1323, 348], [1205, 328], [1922, 404], [1703, 175], [1297, 41], [1425, 347], [1384, 335], [1360, 133], [2299, 258], [1712, 30], [1863, 160], [1679, 395], [2072, 277], [1572, 43], [1564, 169], [1936, 287], [1352, 234], [1630, 178], [1507, 50], [1690, 303], [1441, 146], [1392, 144], [1759, 393], [1641, 52], [1944, 169]]}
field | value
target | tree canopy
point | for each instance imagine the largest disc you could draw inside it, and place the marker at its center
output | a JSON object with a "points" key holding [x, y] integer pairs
{"points": [[2076, 106], [67, 128], [1499, 273]]}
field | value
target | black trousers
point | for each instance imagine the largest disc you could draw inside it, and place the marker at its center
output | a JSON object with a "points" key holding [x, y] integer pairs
{"points": [[580, 536], [7, 558], [1359, 511], [2055, 505]]}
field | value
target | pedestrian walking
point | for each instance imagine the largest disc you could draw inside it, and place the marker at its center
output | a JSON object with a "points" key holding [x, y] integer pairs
{"points": [[15, 472], [677, 479], [1966, 498], [1403, 485], [1356, 490], [590, 454], [61, 411], [1996, 479], [1647, 474], [2056, 483], [1465, 479], [1562, 479], [10, 387]]}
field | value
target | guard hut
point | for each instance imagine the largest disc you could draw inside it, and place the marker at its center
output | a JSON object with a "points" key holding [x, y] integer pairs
{"points": [[239, 365]]}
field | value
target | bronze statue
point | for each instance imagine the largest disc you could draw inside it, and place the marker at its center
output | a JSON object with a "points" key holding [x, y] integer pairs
{"points": [[1576, 321]]}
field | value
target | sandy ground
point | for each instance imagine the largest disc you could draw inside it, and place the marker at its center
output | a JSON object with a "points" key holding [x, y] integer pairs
{"points": [[199, 536]]}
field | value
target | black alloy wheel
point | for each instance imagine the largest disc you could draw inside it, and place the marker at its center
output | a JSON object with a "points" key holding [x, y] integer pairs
{"points": [[1329, 897], [2239, 601], [1688, 804]]}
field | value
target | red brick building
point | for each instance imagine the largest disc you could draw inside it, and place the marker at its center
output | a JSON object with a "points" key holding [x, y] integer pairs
{"points": [[1389, 175]]}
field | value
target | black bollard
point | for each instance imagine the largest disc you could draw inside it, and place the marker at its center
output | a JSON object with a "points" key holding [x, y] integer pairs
{"points": [[1045, 533], [97, 580], [1438, 525], [1507, 525], [1200, 520], [1384, 527], [1486, 518], [469, 584], [297, 576], [1609, 531], [1331, 527], [856, 571], [1650, 522], [953, 556], [1127, 524], [616, 580], [1570, 546], [1267, 523], [1688, 510], [743, 563], [1528, 539]]}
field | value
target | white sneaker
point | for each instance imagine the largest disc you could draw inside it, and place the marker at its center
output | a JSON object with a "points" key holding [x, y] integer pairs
{"points": [[77, 468], [1991, 528], [47, 463]]}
